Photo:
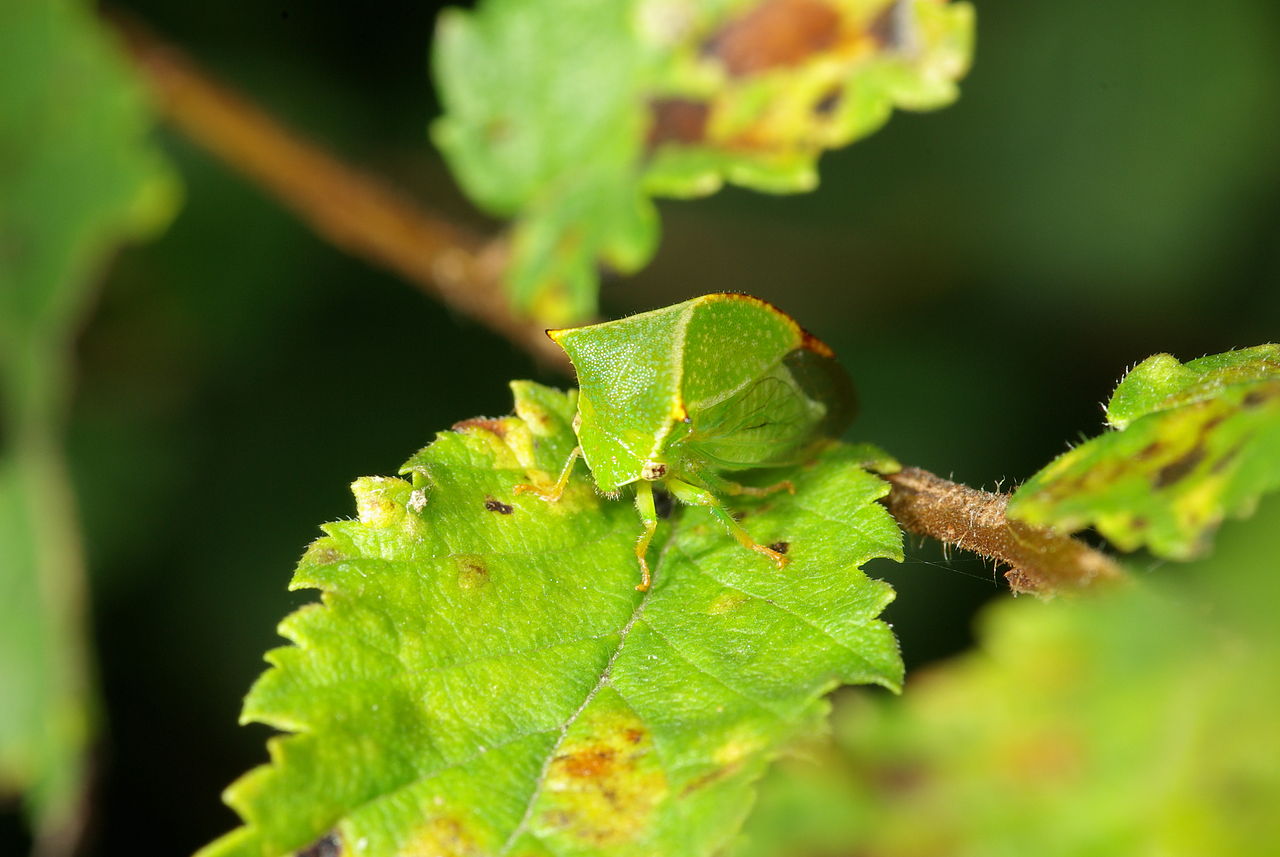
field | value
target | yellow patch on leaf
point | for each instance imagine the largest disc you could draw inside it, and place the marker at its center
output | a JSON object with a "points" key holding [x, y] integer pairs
{"points": [[605, 781]]}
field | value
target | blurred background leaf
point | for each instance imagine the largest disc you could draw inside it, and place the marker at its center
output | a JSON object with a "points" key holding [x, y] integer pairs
{"points": [[1139, 722], [1107, 188], [77, 176], [1193, 443], [568, 115]]}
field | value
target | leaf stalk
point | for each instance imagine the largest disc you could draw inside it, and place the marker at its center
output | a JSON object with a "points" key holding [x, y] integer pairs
{"points": [[1039, 560]]}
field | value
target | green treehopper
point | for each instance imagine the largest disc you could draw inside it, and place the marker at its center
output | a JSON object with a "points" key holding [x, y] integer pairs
{"points": [[683, 395]]}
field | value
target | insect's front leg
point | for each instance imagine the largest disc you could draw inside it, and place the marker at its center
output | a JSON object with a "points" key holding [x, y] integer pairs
{"points": [[557, 490], [694, 496], [648, 517]]}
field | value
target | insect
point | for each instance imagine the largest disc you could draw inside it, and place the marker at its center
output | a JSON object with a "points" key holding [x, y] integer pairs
{"points": [[687, 395]]}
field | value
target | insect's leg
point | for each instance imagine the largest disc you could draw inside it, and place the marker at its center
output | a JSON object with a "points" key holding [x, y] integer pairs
{"points": [[648, 517], [686, 493], [558, 489], [721, 485]]}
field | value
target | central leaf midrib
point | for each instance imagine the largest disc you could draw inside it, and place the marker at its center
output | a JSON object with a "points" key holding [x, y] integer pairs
{"points": [[601, 682]]}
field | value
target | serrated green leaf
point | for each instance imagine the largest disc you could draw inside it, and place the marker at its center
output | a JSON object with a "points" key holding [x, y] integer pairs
{"points": [[1160, 383], [483, 678], [528, 131], [570, 114], [1138, 722], [76, 177], [1198, 442]]}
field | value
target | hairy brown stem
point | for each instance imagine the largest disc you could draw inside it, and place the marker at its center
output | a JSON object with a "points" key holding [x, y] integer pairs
{"points": [[350, 208], [1039, 559]]}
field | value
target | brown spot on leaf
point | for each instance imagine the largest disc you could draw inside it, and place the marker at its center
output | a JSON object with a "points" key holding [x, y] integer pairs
{"points": [[780, 547], [328, 845], [1226, 459], [678, 120], [380, 500], [776, 33], [472, 572], [827, 104], [494, 505], [711, 777], [1149, 451], [535, 416], [1255, 398], [890, 28], [320, 554], [1212, 423], [588, 763], [900, 777], [1177, 470], [494, 426]]}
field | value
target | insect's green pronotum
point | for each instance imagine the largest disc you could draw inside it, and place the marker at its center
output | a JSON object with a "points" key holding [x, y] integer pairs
{"points": [[683, 395]]}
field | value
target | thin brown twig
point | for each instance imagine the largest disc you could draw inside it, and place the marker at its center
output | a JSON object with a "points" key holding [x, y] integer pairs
{"points": [[1039, 560], [350, 208]]}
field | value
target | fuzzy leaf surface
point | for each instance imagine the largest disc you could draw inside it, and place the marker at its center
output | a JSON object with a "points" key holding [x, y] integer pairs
{"points": [[1194, 443], [1139, 721], [569, 115], [77, 176], [483, 678]]}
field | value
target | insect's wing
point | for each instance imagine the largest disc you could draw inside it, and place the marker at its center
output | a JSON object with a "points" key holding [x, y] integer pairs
{"points": [[766, 421], [821, 378], [775, 419]]}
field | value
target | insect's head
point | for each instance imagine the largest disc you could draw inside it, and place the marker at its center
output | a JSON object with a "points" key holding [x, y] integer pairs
{"points": [[653, 470]]}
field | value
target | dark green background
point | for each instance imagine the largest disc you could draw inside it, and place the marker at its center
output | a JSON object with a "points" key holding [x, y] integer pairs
{"points": [[1107, 187]]}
